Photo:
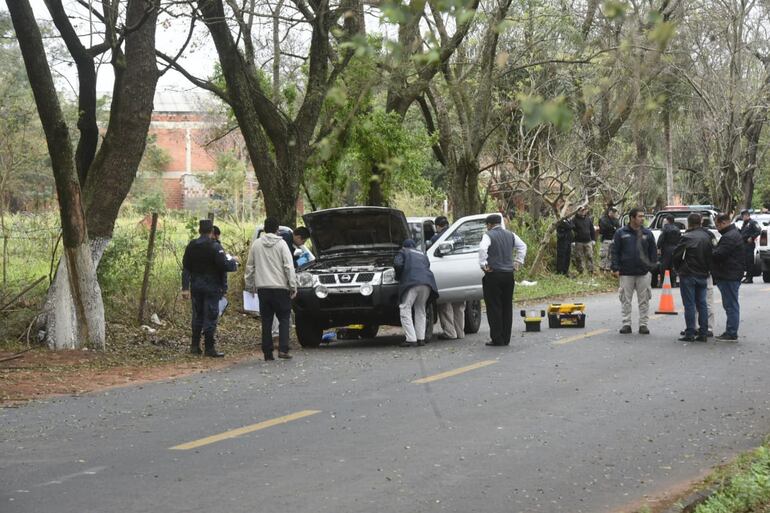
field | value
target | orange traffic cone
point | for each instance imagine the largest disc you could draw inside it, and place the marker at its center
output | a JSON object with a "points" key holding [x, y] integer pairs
{"points": [[666, 304]]}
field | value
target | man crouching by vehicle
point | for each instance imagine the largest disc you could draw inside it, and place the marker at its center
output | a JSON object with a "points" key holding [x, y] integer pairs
{"points": [[416, 287]]}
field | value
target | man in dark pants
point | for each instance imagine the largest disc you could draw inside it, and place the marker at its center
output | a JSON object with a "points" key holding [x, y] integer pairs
{"points": [[270, 272], [564, 230], [750, 230], [203, 264], [585, 237], [497, 262], [608, 225], [667, 241], [692, 260], [727, 271]]}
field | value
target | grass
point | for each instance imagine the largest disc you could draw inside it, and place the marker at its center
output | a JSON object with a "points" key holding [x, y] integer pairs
{"points": [[743, 486], [557, 286]]}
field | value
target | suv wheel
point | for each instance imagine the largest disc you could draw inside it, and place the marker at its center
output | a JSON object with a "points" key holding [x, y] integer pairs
{"points": [[308, 332], [472, 316], [766, 276]]}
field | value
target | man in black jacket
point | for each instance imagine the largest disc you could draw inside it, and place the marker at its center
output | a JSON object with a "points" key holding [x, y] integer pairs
{"points": [[728, 258], [564, 230], [203, 263], [633, 256], [750, 230], [692, 260], [608, 225], [667, 241], [585, 235]]}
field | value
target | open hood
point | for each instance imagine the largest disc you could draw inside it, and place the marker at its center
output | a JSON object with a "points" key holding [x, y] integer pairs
{"points": [[350, 229]]}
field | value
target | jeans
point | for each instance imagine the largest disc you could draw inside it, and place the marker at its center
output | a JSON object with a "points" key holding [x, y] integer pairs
{"points": [[694, 290], [729, 291]]}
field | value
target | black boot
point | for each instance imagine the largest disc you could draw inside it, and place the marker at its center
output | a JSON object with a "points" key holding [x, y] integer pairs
{"points": [[210, 351], [195, 344]]}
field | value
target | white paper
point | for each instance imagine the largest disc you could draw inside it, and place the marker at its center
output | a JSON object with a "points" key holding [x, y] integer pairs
{"points": [[250, 302], [222, 305]]}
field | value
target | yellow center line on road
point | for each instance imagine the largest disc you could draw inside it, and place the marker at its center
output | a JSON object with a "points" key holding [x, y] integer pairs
{"points": [[765, 290], [567, 340], [455, 372], [233, 433]]}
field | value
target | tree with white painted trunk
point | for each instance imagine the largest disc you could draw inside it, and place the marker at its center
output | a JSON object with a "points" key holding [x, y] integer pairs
{"points": [[92, 179]]}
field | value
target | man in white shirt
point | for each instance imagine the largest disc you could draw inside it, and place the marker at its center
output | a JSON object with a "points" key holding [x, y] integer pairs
{"points": [[498, 263]]}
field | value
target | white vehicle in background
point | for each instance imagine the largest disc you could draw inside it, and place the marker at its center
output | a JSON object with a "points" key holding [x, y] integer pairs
{"points": [[762, 248]]}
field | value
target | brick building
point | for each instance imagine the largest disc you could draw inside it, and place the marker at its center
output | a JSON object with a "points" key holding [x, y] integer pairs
{"points": [[182, 124]]}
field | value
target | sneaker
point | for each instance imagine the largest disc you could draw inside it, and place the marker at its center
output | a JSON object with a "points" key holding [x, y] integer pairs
{"points": [[747, 281], [420, 342], [709, 333], [726, 337], [686, 338], [285, 356], [625, 330], [644, 330], [490, 343], [406, 343], [701, 338], [442, 336]]}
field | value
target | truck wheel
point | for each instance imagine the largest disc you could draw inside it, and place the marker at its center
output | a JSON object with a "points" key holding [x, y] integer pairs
{"points": [[370, 331], [766, 276], [472, 316], [308, 332]]}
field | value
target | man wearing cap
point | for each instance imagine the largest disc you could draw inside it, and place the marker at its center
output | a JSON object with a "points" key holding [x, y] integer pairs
{"points": [[203, 264], [497, 261], [750, 230]]}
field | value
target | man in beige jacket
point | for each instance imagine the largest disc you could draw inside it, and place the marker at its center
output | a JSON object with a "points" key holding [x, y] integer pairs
{"points": [[270, 272]]}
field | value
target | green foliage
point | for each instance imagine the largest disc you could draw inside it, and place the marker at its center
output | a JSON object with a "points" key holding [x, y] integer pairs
{"points": [[26, 181], [146, 194], [538, 111], [226, 184], [746, 488], [382, 142]]}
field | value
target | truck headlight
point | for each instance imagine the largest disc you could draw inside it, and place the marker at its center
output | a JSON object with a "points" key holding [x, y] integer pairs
{"points": [[305, 280], [321, 292], [366, 289], [389, 277]]}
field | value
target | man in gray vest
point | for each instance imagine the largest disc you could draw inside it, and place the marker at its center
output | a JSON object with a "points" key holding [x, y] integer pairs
{"points": [[497, 261]]}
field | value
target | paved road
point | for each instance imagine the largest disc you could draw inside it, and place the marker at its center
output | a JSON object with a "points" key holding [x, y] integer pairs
{"points": [[562, 420]]}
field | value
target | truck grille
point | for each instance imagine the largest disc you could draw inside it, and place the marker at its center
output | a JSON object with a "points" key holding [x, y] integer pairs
{"points": [[327, 279], [346, 301], [365, 277]]}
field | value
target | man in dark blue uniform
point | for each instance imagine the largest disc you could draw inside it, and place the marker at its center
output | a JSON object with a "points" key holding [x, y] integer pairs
{"points": [[750, 230], [203, 264]]}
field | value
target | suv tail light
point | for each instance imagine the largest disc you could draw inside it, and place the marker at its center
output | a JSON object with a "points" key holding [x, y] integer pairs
{"points": [[763, 238]]}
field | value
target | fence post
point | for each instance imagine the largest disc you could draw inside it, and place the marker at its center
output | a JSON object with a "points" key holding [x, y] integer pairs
{"points": [[5, 259], [148, 267]]}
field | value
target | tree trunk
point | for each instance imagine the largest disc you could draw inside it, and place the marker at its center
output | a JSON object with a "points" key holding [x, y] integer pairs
{"points": [[465, 187], [669, 155], [84, 321]]}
